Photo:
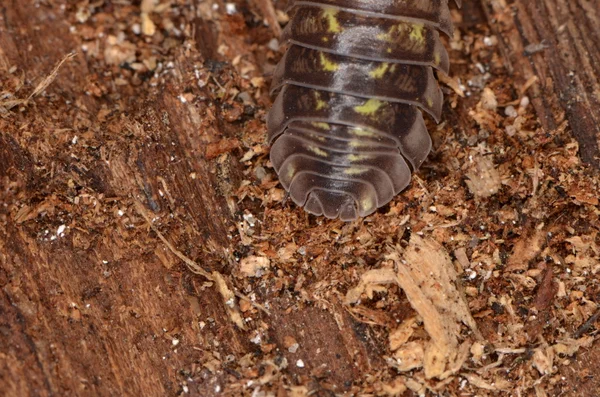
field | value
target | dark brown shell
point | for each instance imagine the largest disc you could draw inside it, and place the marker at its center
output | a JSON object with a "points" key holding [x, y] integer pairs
{"points": [[346, 127]]}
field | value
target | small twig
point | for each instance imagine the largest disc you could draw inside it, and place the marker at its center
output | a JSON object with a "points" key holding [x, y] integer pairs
{"points": [[256, 305], [50, 78], [215, 277], [190, 263], [45, 83], [587, 325]]}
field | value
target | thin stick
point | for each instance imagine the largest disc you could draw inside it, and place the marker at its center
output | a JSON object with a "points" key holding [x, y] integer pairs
{"points": [[193, 266], [587, 325], [11, 103]]}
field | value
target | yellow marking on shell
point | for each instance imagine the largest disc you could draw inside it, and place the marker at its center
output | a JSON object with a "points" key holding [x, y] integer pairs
{"points": [[328, 65], [317, 151], [318, 137], [356, 143], [355, 170], [379, 72], [358, 157], [332, 21], [429, 102], [290, 171], [370, 107], [417, 34], [362, 132], [321, 125], [321, 104], [367, 203], [325, 39], [389, 36], [437, 58]]}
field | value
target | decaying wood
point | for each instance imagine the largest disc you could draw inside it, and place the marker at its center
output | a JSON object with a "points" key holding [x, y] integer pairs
{"points": [[555, 45], [146, 247]]}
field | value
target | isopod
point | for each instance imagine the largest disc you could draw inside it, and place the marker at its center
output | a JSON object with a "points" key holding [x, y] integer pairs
{"points": [[346, 128]]}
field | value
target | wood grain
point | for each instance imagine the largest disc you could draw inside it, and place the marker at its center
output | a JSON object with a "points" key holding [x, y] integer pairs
{"points": [[557, 42], [106, 309]]}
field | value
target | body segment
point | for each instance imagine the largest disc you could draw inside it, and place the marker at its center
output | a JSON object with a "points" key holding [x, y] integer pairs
{"points": [[347, 127]]}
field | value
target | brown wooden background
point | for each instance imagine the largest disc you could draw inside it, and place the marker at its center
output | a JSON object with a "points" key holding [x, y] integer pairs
{"points": [[106, 308]]}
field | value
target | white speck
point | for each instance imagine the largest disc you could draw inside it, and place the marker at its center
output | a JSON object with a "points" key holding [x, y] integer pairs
{"points": [[202, 324], [175, 342], [217, 387], [293, 348], [510, 111], [300, 364], [87, 306], [60, 230], [230, 8], [105, 262], [120, 212], [136, 28], [250, 219], [74, 140], [256, 340], [182, 99], [185, 389], [273, 45]]}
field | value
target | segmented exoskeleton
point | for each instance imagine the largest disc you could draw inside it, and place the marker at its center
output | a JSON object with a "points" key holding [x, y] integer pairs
{"points": [[346, 127]]}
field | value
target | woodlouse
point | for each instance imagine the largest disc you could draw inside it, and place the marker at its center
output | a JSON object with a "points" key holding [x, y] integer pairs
{"points": [[346, 127]]}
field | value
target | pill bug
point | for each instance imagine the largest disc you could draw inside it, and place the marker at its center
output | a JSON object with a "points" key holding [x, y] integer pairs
{"points": [[346, 128]]}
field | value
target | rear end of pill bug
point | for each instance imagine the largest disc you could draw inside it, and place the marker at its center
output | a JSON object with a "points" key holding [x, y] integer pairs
{"points": [[346, 128]]}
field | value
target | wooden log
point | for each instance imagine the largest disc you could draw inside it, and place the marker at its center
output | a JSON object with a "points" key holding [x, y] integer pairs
{"points": [[557, 43], [94, 302]]}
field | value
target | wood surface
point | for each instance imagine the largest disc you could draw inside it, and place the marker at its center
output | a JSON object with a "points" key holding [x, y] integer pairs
{"points": [[106, 308], [557, 43]]}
